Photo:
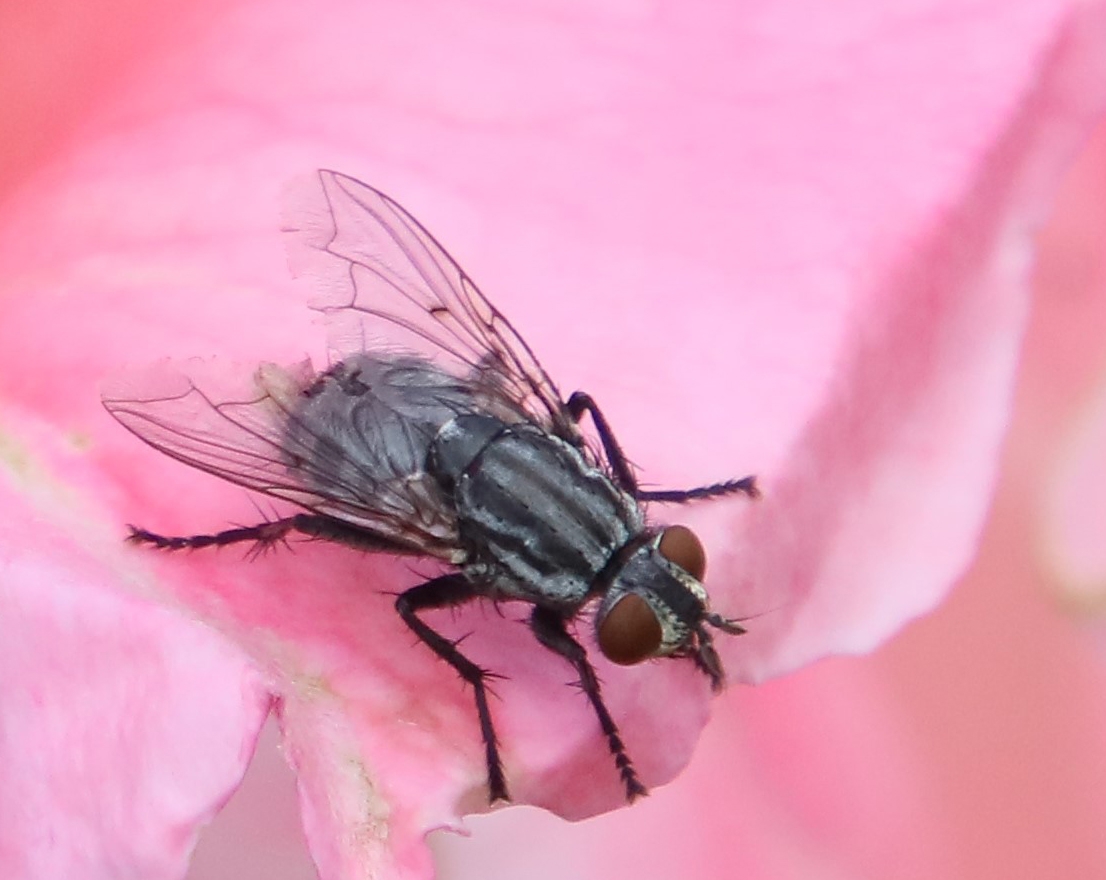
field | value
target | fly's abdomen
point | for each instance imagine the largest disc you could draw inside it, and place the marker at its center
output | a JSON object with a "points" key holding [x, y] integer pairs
{"points": [[537, 519], [371, 419]]}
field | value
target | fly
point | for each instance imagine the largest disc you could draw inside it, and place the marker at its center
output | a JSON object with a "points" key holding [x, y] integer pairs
{"points": [[455, 445]]}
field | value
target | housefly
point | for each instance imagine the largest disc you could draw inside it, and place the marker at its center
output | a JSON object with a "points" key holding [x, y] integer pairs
{"points": [[450, 442]]}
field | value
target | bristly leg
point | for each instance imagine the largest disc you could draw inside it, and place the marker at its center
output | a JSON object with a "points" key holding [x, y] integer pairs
{"points": [[442, 592], [262, 536], [580, 403], [267, 534], [704, 653], [707, 660], [744, 486], [549, 628]]}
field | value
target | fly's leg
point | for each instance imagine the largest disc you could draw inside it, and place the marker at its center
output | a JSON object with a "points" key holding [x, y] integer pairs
{"points": [[262, 536], [580, 403], [744, 486], [441, 592], [549, 628], [704, 654], [266, 534], [707, 659]]}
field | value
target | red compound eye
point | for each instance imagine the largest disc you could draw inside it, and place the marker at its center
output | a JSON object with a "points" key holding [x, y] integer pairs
{"points": [[679, 545], [630, 632]]}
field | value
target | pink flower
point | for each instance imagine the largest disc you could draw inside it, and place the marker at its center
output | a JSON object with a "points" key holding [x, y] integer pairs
{"points": [[789, 241]]}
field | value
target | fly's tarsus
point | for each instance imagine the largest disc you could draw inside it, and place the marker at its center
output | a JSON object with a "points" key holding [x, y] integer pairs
{"points": [[745, 486], [263, 536]]}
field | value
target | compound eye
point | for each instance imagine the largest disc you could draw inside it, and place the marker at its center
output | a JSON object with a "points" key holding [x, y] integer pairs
{"points": [[630, 632], [680, 546]]}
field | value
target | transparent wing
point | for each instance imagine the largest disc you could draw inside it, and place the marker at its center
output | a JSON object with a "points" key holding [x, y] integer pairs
{"points": [[381, 276], [247, 431]]}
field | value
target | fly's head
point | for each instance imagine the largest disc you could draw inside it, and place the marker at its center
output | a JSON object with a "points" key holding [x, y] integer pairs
{"points": [[656, 606]]}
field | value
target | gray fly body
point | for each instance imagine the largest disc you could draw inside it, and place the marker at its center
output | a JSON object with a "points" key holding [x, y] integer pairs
{"points": [[540, 520], [367, 427], [453, 444]]}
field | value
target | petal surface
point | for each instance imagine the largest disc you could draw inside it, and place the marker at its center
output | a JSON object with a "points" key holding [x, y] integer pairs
{"points": [[125, 725]]}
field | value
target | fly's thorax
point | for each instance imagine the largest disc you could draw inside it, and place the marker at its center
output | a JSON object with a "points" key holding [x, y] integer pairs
{"points": [[458, 446], [538, 520], [655, 603]]}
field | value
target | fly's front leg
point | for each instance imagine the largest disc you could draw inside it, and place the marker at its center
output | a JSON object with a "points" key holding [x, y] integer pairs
{"points": [[549, 628], [704, 653], [441, 592], [580, 403]]}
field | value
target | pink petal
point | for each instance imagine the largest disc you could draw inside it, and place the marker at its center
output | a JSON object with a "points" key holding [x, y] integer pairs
{"points": [[1067, 401], [125, 726], [1075, 541], [881, 501], [869, 208]]}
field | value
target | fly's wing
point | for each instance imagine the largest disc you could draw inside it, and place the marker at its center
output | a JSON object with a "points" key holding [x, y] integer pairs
{"points": [[247, 431], [380, 274]]}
